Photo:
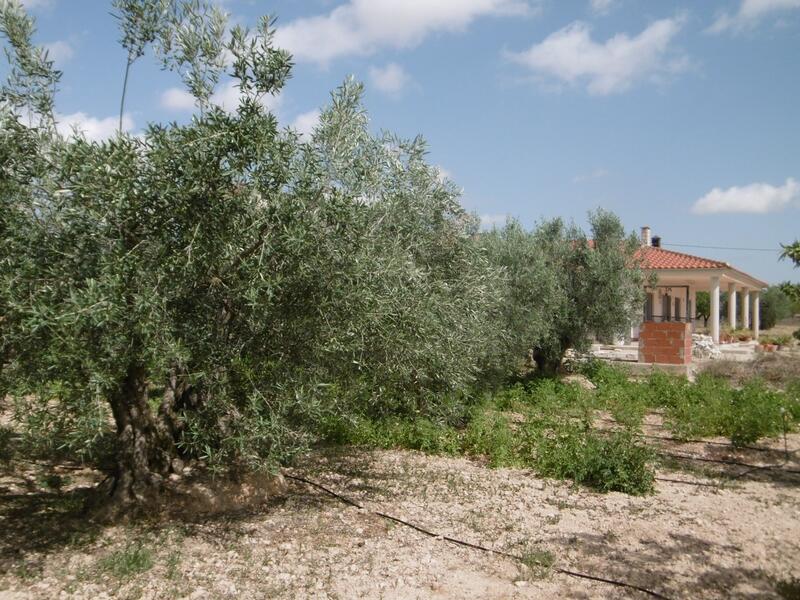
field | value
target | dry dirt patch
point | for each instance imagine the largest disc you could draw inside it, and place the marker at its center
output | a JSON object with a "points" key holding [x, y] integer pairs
{"points": [[738, 537]]}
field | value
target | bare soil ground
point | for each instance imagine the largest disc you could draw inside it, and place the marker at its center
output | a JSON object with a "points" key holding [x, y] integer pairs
{"points": [[727, 531]]}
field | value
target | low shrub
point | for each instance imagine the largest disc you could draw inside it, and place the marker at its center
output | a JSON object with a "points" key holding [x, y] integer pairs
{"points": [[602, 373], [614, 462], [699, 409], [710, 407], [490, 434], [792, 402], [756, 412], [550, 427], [414, 434]]}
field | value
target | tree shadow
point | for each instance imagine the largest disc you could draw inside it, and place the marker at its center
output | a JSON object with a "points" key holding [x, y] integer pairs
{"points": [[37, 520], [662, 567], [41, 522], [762, 467]]}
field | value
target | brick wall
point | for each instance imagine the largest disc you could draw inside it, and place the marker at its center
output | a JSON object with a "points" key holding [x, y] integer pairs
{"points": [[666, 343]]}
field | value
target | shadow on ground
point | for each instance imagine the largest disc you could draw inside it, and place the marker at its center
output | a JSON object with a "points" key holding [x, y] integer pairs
{"points": [[651, 566], [42, 522]]}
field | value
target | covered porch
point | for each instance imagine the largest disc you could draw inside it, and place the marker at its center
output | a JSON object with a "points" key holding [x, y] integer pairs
{"points": [[675, 278], [674, 298]]}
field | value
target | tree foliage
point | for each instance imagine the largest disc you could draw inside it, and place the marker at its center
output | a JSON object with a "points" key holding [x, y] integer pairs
{"points": [[703, 306], [792, 252], [209, 283], [214, 288], [563, 290], [775, 305]]}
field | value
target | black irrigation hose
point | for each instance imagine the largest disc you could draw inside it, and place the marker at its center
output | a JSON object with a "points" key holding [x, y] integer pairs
{"points": [[692, 441], [453, 540], [736, 463], [697, 483], [708, 443]]}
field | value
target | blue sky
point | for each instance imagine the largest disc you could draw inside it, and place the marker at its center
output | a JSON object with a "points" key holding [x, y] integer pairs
{"points": [[684, 116]]}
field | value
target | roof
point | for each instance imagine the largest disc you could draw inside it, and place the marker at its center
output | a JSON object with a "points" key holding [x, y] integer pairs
{"points": [[659, 258], [656, 258]]}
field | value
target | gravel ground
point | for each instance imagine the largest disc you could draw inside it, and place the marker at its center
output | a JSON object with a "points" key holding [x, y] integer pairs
{"points": [[736, 535]]}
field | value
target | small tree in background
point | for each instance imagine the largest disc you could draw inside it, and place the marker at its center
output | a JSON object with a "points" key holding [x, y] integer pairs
{"points": [[561, 291], [775, 305], [703, 306]]}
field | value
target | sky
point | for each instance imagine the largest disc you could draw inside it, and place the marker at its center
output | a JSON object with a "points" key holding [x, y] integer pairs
{"points": [[684, 116]]}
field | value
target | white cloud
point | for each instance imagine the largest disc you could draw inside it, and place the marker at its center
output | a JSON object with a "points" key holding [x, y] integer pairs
{"points": [[595, 174], [571, 56], [391, 79], [177, 99], [227, 96], [305, 122], [362, 27], [489, 221], [444, 174], [60, 51], [753, 198], [750, 13], [93, 128], [602, 7]]}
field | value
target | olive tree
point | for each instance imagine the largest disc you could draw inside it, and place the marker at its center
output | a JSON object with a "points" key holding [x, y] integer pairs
{"points": [[207, 285], [563, 289]]}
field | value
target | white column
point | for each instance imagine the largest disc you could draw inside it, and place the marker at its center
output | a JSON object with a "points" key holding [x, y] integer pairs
{"points": [[756, 313], [746, 308], [714, 293], [732, 305]]}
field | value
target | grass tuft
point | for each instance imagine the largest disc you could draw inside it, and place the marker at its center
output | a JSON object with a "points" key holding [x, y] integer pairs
{"points": [[538, 563], [132, 560]]}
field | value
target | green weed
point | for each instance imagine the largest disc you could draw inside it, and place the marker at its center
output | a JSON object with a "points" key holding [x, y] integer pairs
{"points": [[135, 558], [489, 434], [615, 462], [172, 563], [538, 562]]}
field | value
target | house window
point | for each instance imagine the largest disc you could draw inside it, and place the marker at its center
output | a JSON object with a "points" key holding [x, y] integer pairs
{"points": [[666, 305], [677, 309]]}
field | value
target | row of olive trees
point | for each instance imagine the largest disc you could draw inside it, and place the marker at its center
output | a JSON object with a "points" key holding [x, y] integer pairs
{"points": [[216, 287]]}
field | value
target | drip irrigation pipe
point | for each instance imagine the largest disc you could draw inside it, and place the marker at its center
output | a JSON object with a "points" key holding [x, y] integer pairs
{"points": [[736, 463], [691, 441], [697, 483], [453, 540]]}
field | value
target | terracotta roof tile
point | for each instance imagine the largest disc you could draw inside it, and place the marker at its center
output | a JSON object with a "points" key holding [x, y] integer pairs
{"points": [[659, 258]]}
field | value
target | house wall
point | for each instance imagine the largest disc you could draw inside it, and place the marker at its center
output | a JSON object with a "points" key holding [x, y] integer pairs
{"points": [[666, 343]]}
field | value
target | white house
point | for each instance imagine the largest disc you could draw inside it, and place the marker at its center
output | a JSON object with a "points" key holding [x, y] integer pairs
{"points": [[680, 276]]}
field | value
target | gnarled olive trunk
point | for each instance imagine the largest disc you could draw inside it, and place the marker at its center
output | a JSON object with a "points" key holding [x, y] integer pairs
{"points": [[546, 365], [145, 447]]}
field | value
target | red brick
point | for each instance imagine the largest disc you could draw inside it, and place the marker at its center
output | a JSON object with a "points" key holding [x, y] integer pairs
{"points": [[669, 342]]}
